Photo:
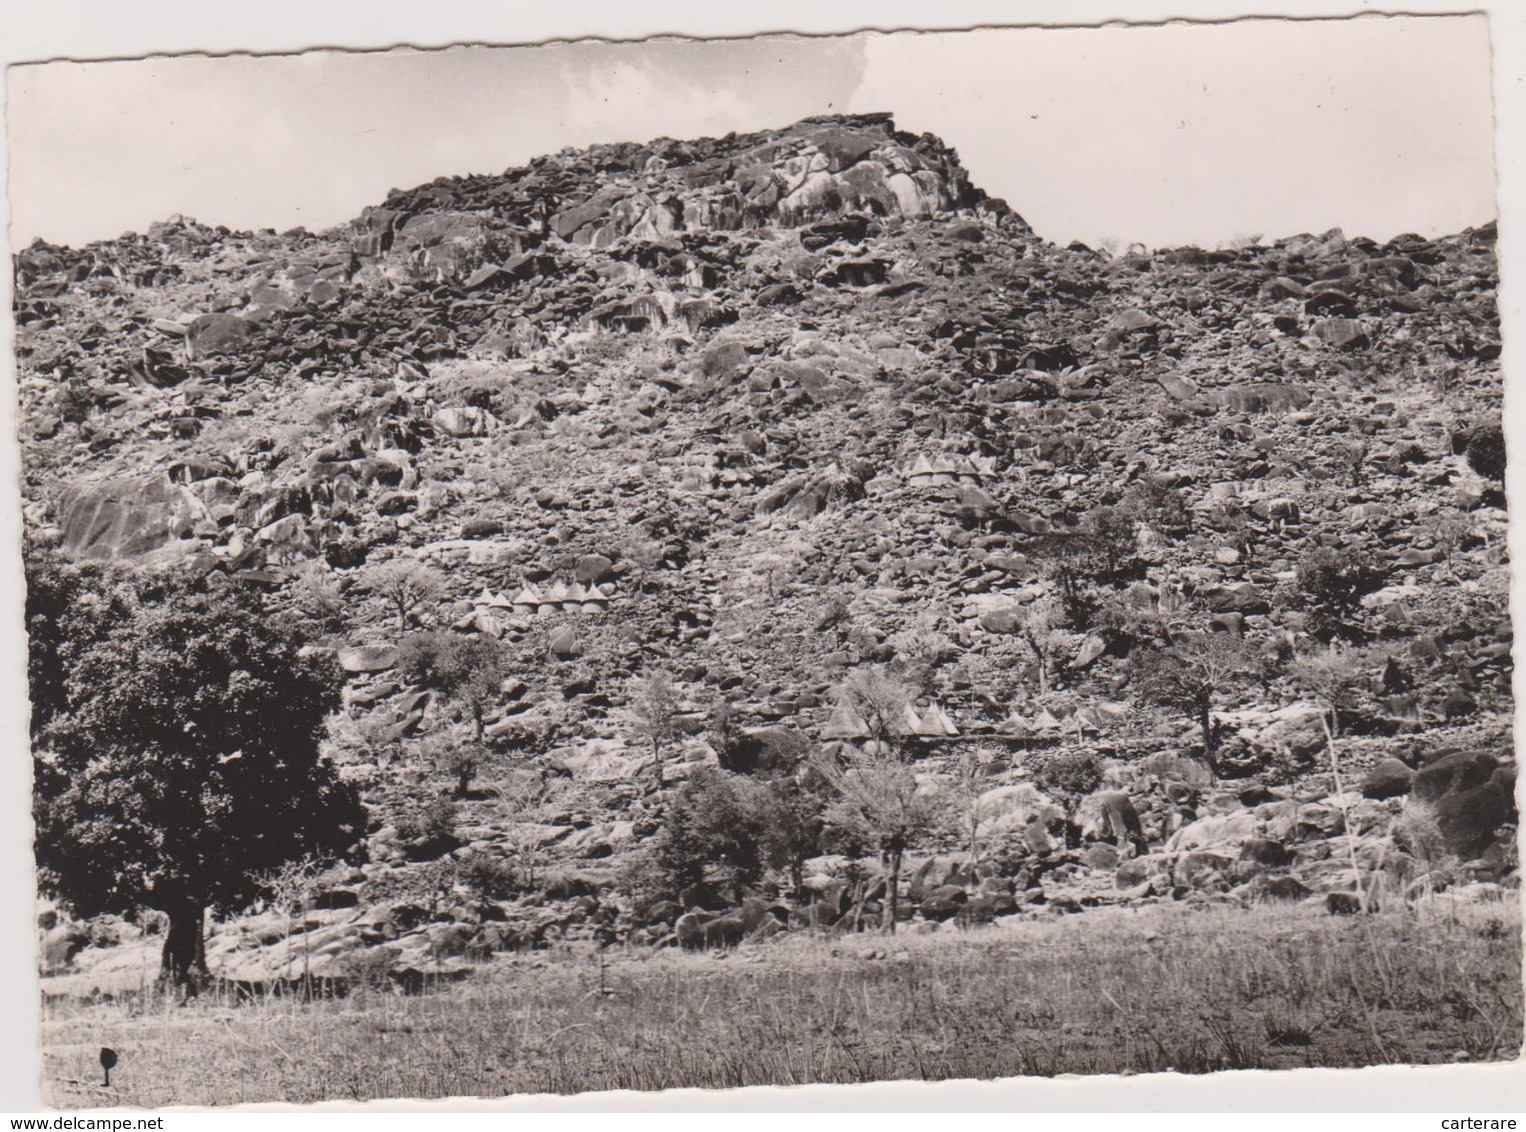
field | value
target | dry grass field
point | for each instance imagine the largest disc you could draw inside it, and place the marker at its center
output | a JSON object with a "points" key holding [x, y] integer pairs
{"points": [[1112, 991]]}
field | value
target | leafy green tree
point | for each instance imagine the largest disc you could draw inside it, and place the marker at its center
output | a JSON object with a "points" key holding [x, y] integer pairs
{"points": [[654, 707], [1082, 562], [793, 823], [466, 670], [879, 802], [1193, 674], [712, 821], [405, 586], [176, 750], [69, 606]]}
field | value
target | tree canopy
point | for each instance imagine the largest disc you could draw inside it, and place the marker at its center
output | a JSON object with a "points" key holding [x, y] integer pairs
{"points": [[176, 741]]}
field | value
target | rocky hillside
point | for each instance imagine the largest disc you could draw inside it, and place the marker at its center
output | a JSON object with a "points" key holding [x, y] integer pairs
{"points": [[766, 411]]}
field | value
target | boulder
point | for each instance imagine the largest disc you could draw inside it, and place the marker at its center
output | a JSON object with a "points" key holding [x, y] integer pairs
{"points": [[1265, 852], [459, 420], [1389, 779], [1205, 870], [368, 658], [126, 518], [1141, 870], [1295, 732], [1007, 811], [1470, 818], [1109, 815], [1343, 903], [660, 912], [563, 642], [593, 569], [1448, 771], [1100, 856], [943, 903], [939, 872], [212, 334], [699, 930], [1340, 333], [1286, 888], [1220, 832]]}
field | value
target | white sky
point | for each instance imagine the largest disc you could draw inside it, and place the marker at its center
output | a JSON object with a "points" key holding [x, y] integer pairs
{"points": [[1163, 135]]}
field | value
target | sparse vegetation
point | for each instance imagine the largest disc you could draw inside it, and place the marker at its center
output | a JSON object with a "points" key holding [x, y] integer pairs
{"points": [[879, 803], [1193, 674], [1333, 582], [406, 588], [654, 704], [1267, 988]]}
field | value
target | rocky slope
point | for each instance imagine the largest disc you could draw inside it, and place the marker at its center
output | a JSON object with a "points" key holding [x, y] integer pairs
{"points": [[765, 410]]}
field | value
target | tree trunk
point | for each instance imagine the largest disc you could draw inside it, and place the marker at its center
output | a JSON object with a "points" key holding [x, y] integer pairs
{"points": [[1210, 756], [184, 957], [893, 891]]}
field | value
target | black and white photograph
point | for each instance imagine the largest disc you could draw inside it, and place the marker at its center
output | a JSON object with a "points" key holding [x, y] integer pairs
{"points": [[785, 560]]}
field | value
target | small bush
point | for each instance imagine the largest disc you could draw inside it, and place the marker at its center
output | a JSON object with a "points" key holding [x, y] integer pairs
{"points": [[422, 658], [431, 829], [492, 877], [1333, 582], [642, 879], [1071, 772], [1486, 452]]}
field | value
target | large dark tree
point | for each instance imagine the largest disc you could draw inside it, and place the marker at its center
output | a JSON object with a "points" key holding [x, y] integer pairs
{"points": [[176, 727]]}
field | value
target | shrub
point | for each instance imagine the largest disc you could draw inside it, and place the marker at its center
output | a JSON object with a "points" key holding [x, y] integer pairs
{"points": [[430, 829], [492, 877], [769, 752], [1333, 582], [319, 600], [467, 670], [459, 760], [407, 587], [1074, 772], [1486, 452], [1193, 674], [1161, 505], [642, 879], [654, 708]]}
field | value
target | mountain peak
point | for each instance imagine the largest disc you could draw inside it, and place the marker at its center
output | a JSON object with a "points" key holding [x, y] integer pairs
{"points": [[820, 168]]}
